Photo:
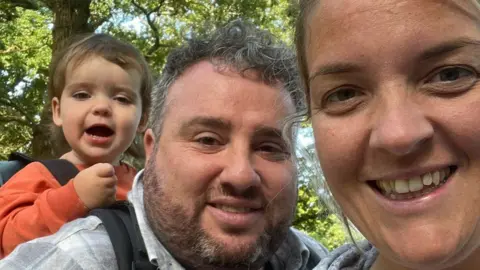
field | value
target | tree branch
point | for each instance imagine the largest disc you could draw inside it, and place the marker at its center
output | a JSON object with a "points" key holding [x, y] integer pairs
{"points": [[95, 24], [48, 3], [18, 119], [15, 49], [152, 25], [17, 108], [26, 4]]}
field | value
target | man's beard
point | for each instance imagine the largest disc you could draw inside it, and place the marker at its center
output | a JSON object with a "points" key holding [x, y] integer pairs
{"points": [[191, 245]]}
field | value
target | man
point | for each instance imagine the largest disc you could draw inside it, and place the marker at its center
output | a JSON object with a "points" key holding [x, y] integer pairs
{"points": [[219, 186]]}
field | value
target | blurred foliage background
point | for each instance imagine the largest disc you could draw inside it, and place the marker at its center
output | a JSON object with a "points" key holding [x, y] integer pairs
{"points": [[32, 30]]}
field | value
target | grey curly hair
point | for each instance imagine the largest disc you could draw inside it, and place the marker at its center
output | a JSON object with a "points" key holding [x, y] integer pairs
{"points": [[238, 45]]}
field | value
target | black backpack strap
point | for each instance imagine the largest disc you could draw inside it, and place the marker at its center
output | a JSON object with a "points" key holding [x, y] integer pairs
{"points": [[121, 225], [8, 169], [22, 158], [62, 169]]}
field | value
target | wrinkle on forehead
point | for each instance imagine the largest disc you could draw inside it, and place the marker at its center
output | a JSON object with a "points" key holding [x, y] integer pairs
{"points": [[361, 19], [345, 11], [469, 8]]}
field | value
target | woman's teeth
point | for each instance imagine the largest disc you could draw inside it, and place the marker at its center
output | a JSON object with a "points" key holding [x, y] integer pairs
{"points": [[415, 186]]}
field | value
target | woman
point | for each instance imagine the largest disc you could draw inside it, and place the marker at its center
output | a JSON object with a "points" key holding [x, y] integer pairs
{"points": [[394, 99]]}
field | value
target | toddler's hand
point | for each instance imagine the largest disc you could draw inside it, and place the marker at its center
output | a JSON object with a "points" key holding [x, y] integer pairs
{"points": [[97, 185]]}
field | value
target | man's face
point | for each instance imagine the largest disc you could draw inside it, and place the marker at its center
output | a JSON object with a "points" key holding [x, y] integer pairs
{"points": [[220, 186]]}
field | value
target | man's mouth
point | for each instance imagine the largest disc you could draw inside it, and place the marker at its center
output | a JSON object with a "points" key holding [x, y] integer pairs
{"points": [[414, 187], [99, 131], [235, 215], [232, 209]]}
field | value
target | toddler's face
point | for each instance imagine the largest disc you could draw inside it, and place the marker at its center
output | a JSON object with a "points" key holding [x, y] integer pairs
{"points": [[100, 110]]}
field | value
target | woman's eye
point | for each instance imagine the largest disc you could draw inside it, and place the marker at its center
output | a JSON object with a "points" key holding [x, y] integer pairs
{"points": [[342, 95], [451, 80], [341, 100], [451, 74], [81, 95]]}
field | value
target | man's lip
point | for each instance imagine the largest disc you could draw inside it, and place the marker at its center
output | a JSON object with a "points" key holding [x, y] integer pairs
{"points": [[409, 173], [237, 203], [234, 220]]}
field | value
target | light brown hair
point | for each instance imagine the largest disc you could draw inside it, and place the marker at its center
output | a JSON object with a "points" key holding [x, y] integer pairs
{"points": [[80, 48], [304, 7]]}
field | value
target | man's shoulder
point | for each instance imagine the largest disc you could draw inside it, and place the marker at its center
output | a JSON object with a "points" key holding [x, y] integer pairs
{"points": [[360, 256], [312, 245], [79, 235], [80, 244], [298, 251]]}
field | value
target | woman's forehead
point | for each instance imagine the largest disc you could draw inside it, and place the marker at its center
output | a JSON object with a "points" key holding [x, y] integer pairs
{"points": [[391, 26], [347, 10]]}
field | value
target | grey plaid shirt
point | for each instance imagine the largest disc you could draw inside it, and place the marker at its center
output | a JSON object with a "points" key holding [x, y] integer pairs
{"points": [[84, 244]]}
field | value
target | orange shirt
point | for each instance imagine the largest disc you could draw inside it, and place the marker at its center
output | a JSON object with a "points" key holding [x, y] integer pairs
{"points": [[33, 204]]}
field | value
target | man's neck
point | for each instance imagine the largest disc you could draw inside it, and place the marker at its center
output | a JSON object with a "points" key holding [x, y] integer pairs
{"points": [[204, 267]]}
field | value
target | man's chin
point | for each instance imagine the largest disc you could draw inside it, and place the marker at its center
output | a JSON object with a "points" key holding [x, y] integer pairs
{"points": [[231, 249]]}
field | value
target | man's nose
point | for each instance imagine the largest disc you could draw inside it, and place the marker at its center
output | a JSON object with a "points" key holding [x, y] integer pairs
{"points": [[240, 175]]}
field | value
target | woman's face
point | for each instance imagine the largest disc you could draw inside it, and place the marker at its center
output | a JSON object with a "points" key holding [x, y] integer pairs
{"points": [[395, 103]]}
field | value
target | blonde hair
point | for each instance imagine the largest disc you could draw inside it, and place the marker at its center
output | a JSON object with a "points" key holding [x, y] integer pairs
{"points": [[319, 183]]}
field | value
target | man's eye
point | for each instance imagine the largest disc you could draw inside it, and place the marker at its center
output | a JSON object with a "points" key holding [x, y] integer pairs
{"points": [[81, 95], [452, 74], [271, 148], [273, 151], [208, 141]]}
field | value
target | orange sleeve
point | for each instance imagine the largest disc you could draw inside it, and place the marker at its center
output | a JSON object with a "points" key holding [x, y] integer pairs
{"points": [[33, 204]]}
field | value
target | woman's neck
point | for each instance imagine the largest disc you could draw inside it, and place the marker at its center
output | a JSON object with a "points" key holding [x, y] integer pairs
{"points": [[470, 263]]}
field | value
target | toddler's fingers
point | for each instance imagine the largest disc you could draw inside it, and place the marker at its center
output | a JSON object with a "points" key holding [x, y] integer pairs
{"points": [[104, 169]]}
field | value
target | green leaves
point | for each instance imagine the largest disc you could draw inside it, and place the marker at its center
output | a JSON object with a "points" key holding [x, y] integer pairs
{"points": [[24, 58], [314, 218], [155, 27]]}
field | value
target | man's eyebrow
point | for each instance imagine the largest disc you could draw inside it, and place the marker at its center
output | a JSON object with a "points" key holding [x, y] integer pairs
{"points": [[205, 121], [447, 47], [266, 131], [334, 68]]}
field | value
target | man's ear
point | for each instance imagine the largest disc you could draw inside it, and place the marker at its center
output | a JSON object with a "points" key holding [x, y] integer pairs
{"points": [[56, 117], [148, 144], [142, 126]]}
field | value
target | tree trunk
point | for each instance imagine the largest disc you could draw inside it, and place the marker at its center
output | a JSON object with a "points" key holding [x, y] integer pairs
{"points": [[70, 18]]}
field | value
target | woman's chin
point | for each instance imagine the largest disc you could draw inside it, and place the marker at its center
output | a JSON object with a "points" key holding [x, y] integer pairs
{"points": [[421, 257], [423, 253]]}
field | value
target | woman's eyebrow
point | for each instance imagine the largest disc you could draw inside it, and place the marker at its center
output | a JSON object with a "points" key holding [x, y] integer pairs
{"points": [[447, 47], [334, 68]]}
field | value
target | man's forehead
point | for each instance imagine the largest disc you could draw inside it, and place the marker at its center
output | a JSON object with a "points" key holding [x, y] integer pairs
{"points": [[204, 83]]}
